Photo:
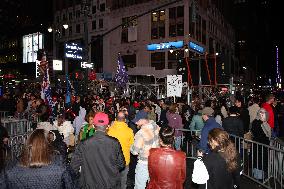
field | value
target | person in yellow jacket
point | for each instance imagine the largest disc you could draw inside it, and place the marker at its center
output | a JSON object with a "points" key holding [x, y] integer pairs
{"points": [[120, 130]]}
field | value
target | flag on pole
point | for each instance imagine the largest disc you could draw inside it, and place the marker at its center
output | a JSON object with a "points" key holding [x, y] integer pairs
{"points": [[46, 89], [68, 91], [121, 76]]}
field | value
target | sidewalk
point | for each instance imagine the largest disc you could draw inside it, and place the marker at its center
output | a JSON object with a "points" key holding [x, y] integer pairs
{"points": [[245, 182]]}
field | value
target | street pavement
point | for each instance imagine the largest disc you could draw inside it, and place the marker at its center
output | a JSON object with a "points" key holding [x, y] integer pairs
{"points": [[245, 182]]}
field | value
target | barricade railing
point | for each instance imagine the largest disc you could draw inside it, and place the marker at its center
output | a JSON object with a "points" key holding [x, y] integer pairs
{"points": [[4, 114], [17, 126], [15, 146], [189, 141], [261, 163]]}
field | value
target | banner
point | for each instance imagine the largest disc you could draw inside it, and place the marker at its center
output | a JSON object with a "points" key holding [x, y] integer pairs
{"points": [[174, 85]]}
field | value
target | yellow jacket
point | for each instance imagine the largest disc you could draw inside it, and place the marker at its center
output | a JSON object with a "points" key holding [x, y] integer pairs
{"points": [[124, 135]]}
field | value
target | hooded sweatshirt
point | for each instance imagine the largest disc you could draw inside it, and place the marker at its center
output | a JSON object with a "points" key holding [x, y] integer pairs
{"points": [[79, 120]]}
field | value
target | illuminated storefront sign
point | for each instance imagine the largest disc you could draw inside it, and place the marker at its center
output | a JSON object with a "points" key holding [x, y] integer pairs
{"points": [[73, 51], [162, 46], [196, 47], [31, 44], [57, 65], [87, 65]]}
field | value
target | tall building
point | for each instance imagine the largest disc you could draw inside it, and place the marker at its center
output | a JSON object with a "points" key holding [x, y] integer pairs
{"points": [[150, 35], [18, 19]]}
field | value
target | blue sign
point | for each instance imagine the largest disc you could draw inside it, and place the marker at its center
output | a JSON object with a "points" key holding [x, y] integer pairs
{"points": [[74, 51], [1, 91], [196, 47], [162, 46]]}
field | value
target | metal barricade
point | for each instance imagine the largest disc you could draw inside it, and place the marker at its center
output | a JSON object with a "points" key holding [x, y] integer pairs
{"points": [[4, 114], [15, 146], [262, 163], [17, 127], [190, 139]]}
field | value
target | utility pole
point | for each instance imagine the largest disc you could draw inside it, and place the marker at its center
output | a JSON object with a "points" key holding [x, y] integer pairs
{"points": [[200, 80], [86, 11]]}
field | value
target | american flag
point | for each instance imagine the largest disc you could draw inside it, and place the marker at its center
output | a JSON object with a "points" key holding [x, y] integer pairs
{"points": [[46, 89], [121, 76]]}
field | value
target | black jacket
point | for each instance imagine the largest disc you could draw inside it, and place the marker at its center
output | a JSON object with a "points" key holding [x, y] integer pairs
{"points": [[234, 125], [244, 116], [219, 176], [100, 158]]}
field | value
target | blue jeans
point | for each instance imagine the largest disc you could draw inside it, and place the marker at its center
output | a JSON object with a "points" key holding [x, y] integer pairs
{"points": [[141, 175], [178, 143]]}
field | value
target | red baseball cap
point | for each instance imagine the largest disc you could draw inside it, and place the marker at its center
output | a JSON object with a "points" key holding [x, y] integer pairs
{"points": [[101, 119]]}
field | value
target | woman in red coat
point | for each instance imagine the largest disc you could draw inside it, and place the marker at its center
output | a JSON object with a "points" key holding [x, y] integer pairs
{"points": [[167, 167]]}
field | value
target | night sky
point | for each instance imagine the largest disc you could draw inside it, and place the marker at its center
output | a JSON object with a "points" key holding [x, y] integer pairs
{"points": [[260, 20]]}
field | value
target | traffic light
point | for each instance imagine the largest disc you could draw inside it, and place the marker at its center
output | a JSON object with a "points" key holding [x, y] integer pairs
{"points": [[182, 69]]}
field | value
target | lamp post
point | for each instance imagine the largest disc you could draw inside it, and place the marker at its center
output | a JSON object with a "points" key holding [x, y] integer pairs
{"points": [[56, 36], [85, 9]]}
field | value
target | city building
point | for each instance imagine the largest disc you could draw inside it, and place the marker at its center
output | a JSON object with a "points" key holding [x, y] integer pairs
{"points": [[143, 32]]}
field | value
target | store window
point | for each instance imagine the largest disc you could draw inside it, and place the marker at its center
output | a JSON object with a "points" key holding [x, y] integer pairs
{"points": [[158, 24], [158, 60]]}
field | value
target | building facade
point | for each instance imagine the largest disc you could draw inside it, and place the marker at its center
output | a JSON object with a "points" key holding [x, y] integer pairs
{"points": [[152, 36]]}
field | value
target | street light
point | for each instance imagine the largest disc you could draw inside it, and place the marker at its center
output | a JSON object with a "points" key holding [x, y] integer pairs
{"points": [[56, 36], [49, 29], [65, 26], [186, 48]]}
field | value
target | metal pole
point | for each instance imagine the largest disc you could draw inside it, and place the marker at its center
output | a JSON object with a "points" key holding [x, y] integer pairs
{"points": [[86, 40], [215, 69], [200, 80]]}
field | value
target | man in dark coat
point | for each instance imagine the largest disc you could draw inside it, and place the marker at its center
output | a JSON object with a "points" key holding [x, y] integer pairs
{"points": [[99, 159]]}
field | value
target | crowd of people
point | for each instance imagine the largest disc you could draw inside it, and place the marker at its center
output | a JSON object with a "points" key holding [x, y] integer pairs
{"points": [[112, 143]]}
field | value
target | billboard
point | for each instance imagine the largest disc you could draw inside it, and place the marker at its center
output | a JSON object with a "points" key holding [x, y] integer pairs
{"points": [[31, 44], [73, 51]]}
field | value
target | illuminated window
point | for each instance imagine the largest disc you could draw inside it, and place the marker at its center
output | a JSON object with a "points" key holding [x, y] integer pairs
{"points": [[158, 24]]}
